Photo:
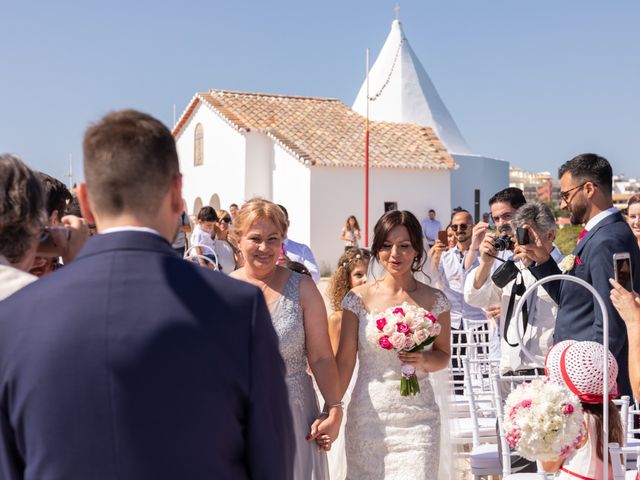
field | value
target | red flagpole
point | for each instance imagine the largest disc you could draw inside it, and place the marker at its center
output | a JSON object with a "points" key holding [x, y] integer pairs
{"points": [[366, 164]]}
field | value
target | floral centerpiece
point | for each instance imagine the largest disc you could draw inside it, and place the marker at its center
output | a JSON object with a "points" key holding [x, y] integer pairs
{"points": [[406, 328], [543, 420]]}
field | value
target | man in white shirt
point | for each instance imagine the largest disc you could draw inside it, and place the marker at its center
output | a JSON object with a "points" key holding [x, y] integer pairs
{"points": [[301, 253], [430, 228]]}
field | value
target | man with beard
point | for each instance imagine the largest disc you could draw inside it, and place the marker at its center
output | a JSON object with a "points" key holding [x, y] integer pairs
{"points": [[451, 270], [585, 184]]}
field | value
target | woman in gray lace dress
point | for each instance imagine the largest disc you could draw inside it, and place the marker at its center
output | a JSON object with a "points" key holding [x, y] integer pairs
{"points": [[300, 320], [389, 436]]}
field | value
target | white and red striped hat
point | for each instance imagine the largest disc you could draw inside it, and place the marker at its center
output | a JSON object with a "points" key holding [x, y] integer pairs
{"points": [[579, 366]]}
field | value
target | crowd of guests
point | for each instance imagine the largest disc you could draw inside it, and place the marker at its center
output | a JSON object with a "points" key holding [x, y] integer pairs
{"points": [[135, 364]]}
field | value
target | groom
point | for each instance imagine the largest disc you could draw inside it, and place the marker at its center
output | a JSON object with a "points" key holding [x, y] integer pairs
{"points": [[586, 184], [132, 363]]}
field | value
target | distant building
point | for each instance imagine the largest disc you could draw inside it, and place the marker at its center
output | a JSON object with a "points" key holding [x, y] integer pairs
{"points": [[623, 189], [537, 186]]}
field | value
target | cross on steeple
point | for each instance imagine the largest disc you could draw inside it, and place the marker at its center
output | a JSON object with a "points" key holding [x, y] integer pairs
{"points": [[397, 10]]}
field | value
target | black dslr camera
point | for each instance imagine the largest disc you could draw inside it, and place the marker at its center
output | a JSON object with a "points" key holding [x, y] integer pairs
{"points": [[503, 243]]}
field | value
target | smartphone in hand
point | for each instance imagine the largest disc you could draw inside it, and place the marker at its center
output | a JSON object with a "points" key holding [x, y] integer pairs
{"points": [[522, 234], [442, 236], [622, 270]]}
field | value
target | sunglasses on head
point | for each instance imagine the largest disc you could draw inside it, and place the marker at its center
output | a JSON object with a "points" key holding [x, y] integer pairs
{"points": [[462, 227], [226, 220]]}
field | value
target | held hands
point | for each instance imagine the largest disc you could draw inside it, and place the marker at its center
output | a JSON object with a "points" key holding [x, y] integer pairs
{"points": [[325, 429], [627, 304]]}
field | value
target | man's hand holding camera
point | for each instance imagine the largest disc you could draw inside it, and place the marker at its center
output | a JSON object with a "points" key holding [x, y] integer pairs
{"points": [[537, 251]]}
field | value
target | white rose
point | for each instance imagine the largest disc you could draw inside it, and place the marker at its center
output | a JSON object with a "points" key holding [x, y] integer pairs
{"points": [[397, 340], [409, 343], [389, 328], [436, 329]]}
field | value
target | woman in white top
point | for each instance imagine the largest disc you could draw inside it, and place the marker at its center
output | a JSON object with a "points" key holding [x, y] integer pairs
{"points": [[225, 250], [350, 233]]}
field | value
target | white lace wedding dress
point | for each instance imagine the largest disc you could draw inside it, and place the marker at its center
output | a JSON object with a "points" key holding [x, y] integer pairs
{"points": [[389, 436]]}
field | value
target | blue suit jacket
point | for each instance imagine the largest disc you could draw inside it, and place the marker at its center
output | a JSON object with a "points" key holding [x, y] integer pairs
{"points": [[579, 316], [131, 363]]}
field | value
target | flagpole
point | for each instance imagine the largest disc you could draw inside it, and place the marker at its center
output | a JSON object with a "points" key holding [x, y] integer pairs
{"points": [[366, 162]]}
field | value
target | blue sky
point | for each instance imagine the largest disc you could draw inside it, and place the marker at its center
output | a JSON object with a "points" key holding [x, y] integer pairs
{"points": [[532, 82]]}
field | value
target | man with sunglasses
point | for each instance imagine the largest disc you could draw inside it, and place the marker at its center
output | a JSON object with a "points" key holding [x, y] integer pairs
{"points": [[451, 270], [586, 192]]}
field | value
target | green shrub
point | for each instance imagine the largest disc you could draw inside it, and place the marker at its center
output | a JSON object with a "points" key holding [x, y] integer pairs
{"points": [[567, 237]]}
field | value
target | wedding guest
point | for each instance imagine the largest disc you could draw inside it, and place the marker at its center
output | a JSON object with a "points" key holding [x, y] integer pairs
{"points": [[388, 435], [586, 183], [628, 306], [300, 320], [179, 245], [633, 216], [233, 210], [350, 273], [56, 198], [580, 369], [350, 233], [202, 239], [22, 219], [430, 228], [155, 369], [225, 250], [299, 252], [451, 237]]}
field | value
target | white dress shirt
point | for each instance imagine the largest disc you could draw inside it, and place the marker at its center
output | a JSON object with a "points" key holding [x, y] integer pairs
{"points": [[599, 217], [451, 273], [12, 279], [542, 312], [301, 253]]}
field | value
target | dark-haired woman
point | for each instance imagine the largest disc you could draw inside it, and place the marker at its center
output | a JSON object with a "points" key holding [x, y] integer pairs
{"points": [[388, 435]]}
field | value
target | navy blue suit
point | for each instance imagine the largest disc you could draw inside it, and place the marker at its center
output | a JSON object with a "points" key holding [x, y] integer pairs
{"points": [[132, 364], [579, 315]]}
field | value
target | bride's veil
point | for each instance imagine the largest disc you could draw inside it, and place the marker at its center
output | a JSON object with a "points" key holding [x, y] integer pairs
{"points": [[439, 380]]}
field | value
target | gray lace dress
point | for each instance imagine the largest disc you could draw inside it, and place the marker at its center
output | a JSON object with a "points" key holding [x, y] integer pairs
{"points": [[286, 314]]}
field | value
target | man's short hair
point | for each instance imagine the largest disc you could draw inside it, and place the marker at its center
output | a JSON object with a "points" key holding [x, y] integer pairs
{"points": [[21, 207], [129, 161], [589, 167], [56, 194], [511, 195], [537, 213], [432, 210]]}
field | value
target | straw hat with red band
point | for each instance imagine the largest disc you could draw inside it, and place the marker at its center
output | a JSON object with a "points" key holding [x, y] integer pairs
{"points": [[579, 367]]}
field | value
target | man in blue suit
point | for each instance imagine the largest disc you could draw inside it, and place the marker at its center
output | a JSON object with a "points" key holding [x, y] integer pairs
{"points": [[131, 363], [586, 184]]}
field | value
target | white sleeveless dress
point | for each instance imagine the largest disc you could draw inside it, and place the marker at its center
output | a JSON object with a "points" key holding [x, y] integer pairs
{"points": [[389, 436], [286, 314]]}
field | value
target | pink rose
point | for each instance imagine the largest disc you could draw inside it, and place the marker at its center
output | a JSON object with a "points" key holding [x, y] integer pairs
{"points": [[398, 310], [402, 327], [525, 403], [420, 336], [397, 340], [409, 342], [431, 317], [567, 409], [381, 322], [578, 261], [385, 343]]}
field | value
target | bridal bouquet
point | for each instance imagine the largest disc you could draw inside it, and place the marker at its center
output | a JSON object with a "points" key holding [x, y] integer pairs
{"points": [[543, 420], [407, 328]]}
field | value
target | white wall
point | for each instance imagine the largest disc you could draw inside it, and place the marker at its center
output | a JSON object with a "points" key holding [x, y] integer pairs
{"points": [[337, 192], [223, 170], [291, 188], [259, 166], [487, 174]]}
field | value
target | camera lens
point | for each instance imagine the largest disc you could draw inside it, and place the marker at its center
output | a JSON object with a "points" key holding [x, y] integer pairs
{"points": [[503, 243]]}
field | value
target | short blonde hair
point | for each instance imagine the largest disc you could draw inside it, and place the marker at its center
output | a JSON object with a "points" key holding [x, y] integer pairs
{"points": [[259, 209]]}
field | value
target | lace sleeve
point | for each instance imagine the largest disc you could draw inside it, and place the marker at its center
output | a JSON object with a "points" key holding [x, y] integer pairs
{"points": [[441, 304], [353, 303]]}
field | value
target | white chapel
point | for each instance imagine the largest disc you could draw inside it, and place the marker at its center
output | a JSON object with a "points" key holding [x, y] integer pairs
{"points": [[400, 90]]}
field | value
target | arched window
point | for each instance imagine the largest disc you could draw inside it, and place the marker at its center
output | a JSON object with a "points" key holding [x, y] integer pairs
{"points": [[198, 147]]}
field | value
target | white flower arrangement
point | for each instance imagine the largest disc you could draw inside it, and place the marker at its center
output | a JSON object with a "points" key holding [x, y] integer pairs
{"points": [[543, 420], [567, 264]]}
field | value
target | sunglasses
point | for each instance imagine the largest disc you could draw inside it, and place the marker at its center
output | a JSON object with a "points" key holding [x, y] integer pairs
{"points": [[226, 220], [462, 227]]}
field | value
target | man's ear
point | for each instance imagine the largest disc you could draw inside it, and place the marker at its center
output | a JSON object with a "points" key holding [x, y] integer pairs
{"points": [[85, 204], [177, 203]]}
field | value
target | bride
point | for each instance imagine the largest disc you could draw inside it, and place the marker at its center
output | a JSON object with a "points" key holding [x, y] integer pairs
{"points": [[387, 435]]}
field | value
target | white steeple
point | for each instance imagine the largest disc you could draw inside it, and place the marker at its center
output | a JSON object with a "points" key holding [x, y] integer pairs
{"points": [[401, 91]]}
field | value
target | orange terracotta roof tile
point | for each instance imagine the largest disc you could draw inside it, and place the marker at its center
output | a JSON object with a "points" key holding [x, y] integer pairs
{"points": [[324, 131]]}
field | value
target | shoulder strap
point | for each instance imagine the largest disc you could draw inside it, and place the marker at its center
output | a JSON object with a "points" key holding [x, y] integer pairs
{"points": [[518, 289]]}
